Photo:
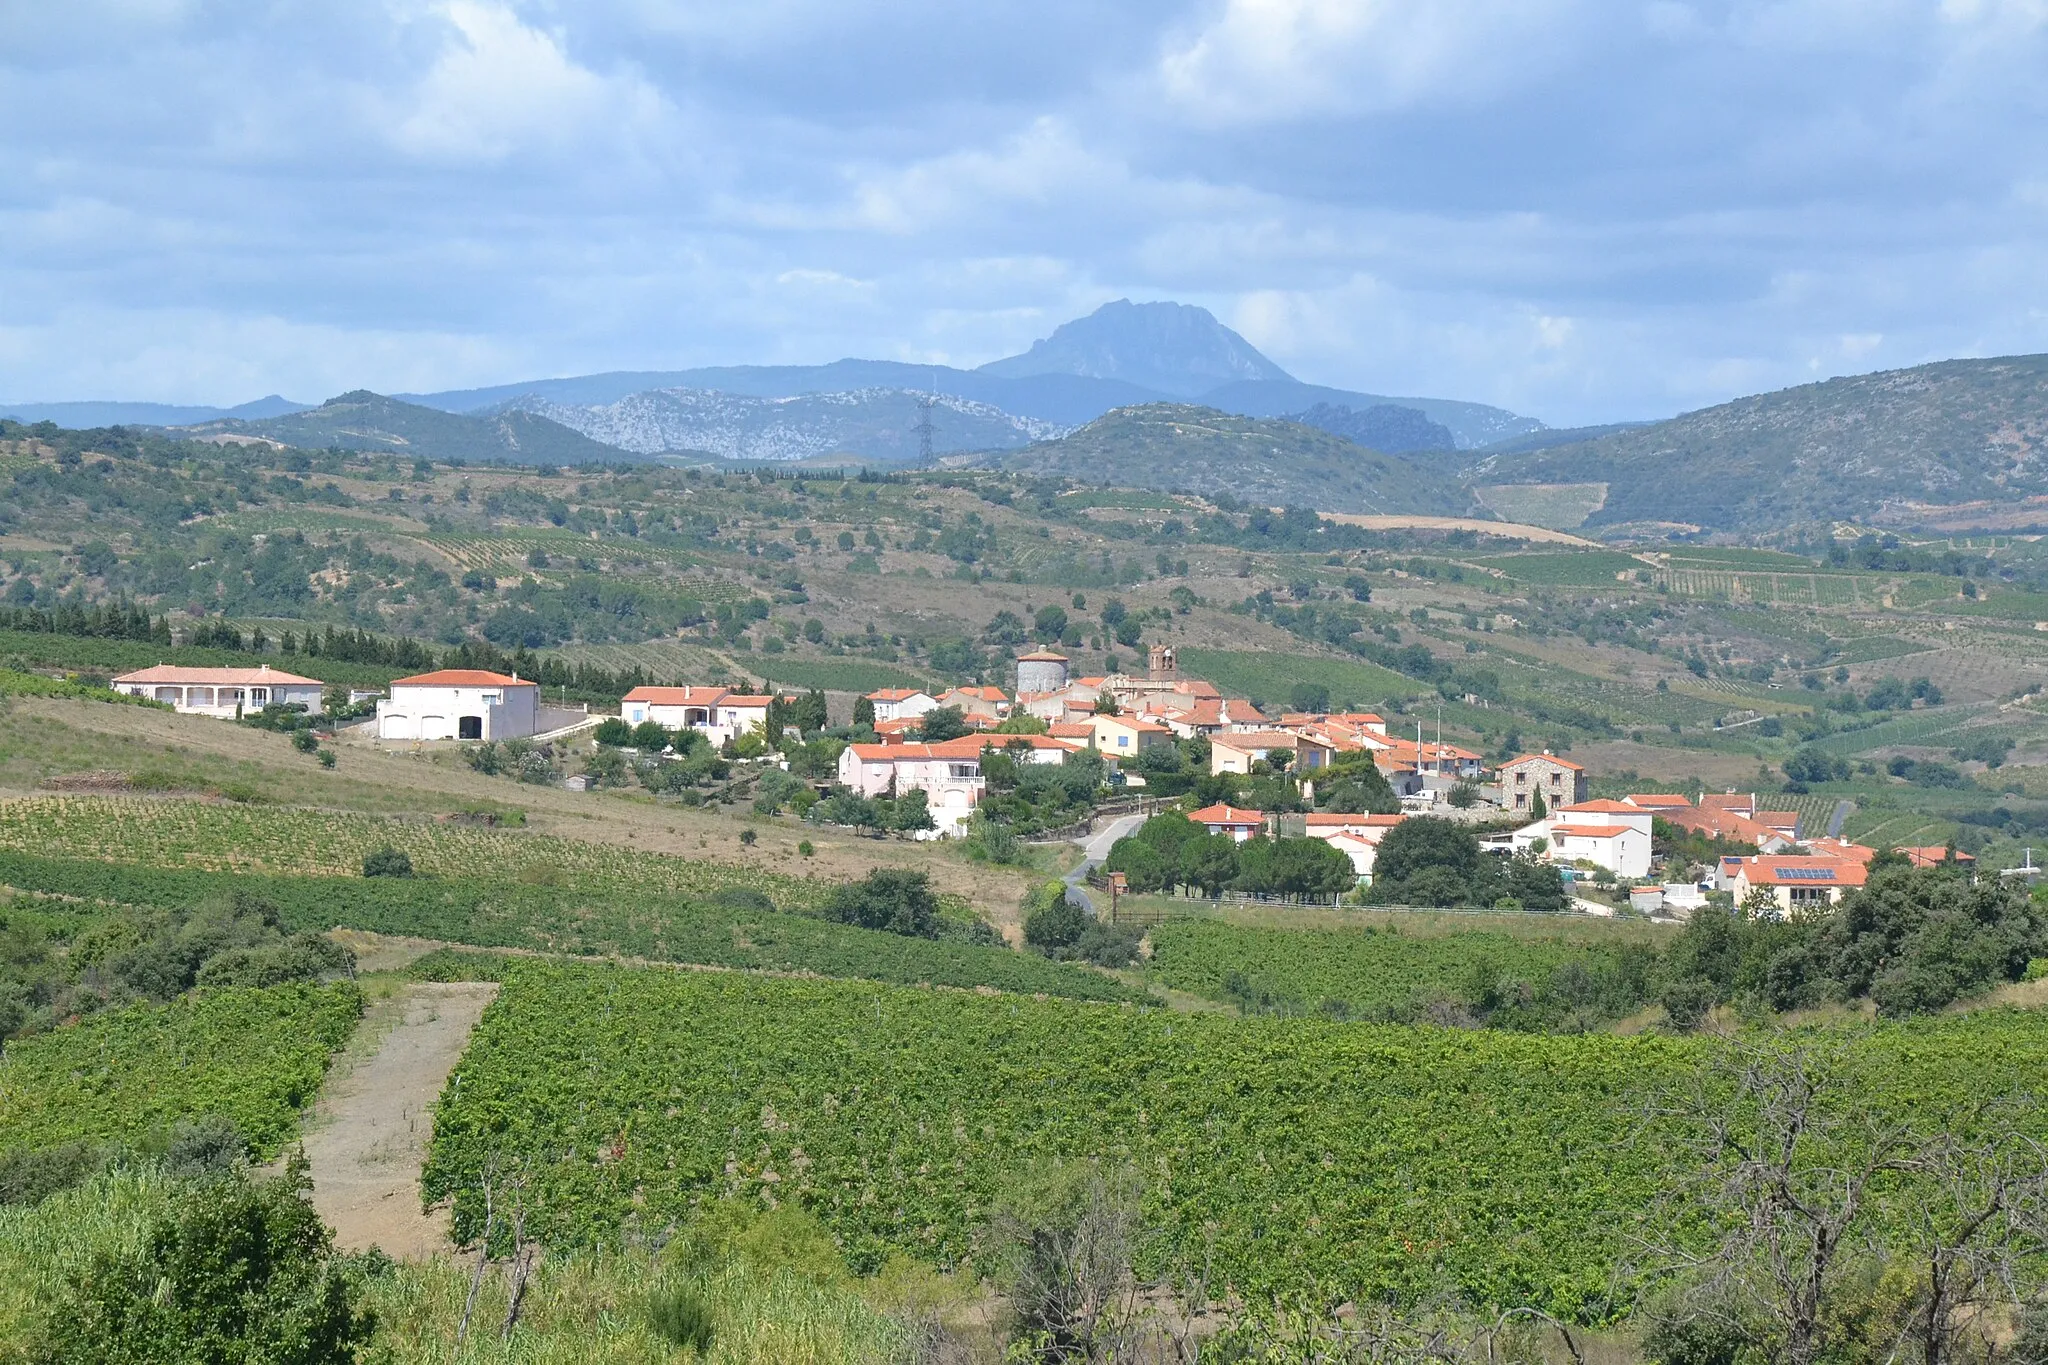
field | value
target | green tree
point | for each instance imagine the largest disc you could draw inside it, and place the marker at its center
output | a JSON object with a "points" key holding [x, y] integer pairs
{"points": [[1209, 862], [231, 1271], [1054, 922], [863, 711], [940, 724], [913, 812], [387, 862], [893, 899]]}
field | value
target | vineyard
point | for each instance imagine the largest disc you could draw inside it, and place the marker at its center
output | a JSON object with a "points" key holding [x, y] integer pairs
{"points": [[1358, 972], [1303, 1156], [226, 838], [256, 1056], [619, 920]]}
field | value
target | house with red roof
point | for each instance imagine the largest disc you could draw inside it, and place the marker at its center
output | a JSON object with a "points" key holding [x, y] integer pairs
{"points": [[718, 713], [1559, 781], [1357, 837], [1793, 881], [460, 703], [222, 692], [1934, 855], [1235, 753], [1224, 818], [900, 703], [1609, 834], [989, 703]]}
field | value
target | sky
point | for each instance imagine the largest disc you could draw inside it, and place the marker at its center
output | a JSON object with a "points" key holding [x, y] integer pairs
{"points": [[1582, 211]]}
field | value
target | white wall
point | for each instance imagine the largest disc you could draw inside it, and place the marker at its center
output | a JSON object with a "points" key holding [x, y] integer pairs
{"points": [[432, 713]]}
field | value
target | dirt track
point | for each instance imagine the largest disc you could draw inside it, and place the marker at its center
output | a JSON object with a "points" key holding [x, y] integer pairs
{"points": [[370, 1129]]}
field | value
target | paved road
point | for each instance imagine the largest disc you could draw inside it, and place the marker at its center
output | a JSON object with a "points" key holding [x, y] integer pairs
{"points": [[1842, 809], [1095, 848]]}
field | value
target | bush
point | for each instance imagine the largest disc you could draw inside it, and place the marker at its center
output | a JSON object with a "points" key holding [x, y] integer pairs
{"points": [[679, 1315], [230, 1271], [31, 1177], [387, 862], [613, 731], [1108, 945], [305, 741], [205, 1146], [895, 900], [1055, 923]]}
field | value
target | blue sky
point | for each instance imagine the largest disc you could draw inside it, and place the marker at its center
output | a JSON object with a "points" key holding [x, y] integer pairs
{"points": [[1582, 211]]}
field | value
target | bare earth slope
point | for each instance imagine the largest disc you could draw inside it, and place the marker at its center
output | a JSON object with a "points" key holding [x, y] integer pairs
{"points": [[371, 1127]]}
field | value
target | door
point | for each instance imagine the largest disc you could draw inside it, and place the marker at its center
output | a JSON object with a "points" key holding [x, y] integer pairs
{"points": [[469, 727]]}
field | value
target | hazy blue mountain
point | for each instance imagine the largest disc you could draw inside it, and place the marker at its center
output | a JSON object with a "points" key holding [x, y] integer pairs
{"points": [[362, 420], [873, 424], [1891, 447], [1066, 400], [1171, 446], [1170, 348], [1472, 424], [1383, 426], [114, 414]]}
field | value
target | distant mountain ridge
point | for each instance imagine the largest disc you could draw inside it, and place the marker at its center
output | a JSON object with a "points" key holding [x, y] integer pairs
{"points": [[1170, 348], [1383, 427], [361, 420], [1180, 446], [1877, 447], [113, 414], [878, 424]]}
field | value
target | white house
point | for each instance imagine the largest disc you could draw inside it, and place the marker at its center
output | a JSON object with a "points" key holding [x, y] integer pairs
{"points": [[1357, 837], [949, 774], [901, 703], [720, 714], [222, 692], [1609, 834], [459, 703], [1224, 818]]}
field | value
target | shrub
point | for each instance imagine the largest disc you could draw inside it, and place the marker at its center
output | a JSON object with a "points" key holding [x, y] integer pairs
{"points": [[326, 758], [387, 862], [679, 1315], [305, 741], [1053, 922], [892, 899], [1108, 945], [229, 1271]]}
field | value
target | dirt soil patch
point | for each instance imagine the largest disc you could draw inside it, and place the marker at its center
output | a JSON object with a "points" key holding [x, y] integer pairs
{"points": [[369, 1133]]}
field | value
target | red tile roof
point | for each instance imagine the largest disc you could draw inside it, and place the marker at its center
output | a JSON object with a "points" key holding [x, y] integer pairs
{"points": [[676, 696], [1328, 821], [1564, 831], [1043, 656], [1605, 808], [1933, 855], [175, 675], [1783, 871], [461, 677], [1223, 813], [1647, 800]]}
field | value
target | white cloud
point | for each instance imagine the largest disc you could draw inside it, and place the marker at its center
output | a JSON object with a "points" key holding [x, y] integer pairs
{"points": [[1277, 59], [500, 87]]}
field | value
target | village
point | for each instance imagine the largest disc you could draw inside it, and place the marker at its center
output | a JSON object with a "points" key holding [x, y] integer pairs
{"points": [[1656, 853]]}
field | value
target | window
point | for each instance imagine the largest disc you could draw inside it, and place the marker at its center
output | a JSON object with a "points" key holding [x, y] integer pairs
{"points": [[1123, 741], [469, 727]]}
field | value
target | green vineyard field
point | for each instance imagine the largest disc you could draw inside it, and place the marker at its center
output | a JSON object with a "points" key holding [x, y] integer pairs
{"points": [[1363, 970], [256, 1056], [616, 919], [1303, 1156]]}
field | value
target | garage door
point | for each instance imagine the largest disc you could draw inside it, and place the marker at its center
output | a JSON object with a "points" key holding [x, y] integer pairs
{"points": [[398, 727]]}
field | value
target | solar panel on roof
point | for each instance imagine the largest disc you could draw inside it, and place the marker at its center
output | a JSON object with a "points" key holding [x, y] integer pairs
{"points": [[1806, 874]]}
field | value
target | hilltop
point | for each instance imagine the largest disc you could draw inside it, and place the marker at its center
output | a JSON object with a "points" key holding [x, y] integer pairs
{"points": [[1173, 348], [1886, 447], [1262, 461], [362, 420]]}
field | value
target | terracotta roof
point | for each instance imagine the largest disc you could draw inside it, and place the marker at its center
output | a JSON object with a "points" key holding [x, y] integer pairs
{"points": [[1043, 656], [893, 693], [676, 696], [1262, 739], [744, 701], [173, 674], [1543, 758], [1782, 871], [461, 677], [1605, 808], [1072, 729], [991, 740], [1647, 800], [1223, 813], [1324, 821], [1734, 801], [978, 693], [1563, 831], [1933, 855], [1138, 723], [1723, 824], [1841, 848]]}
